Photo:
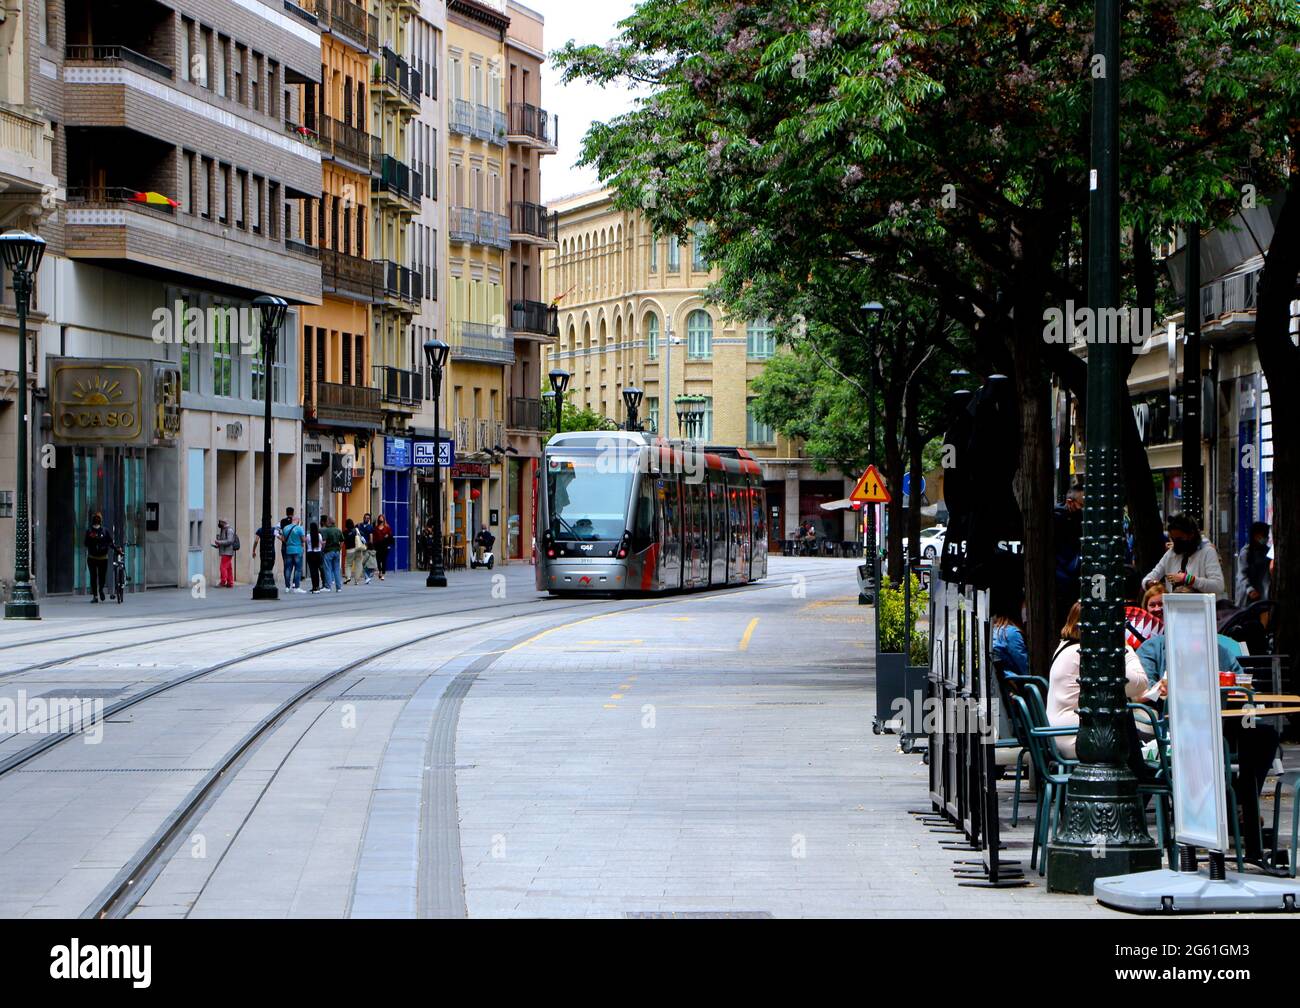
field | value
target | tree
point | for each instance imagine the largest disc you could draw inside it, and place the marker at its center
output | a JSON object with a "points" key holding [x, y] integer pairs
{"points": [[948, 135]]}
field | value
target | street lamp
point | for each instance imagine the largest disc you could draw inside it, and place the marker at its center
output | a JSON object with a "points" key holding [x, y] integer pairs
{"points": [[548, 410], [1102, 830], [873, 313], [435, 354], [559, 384], [632, 397], [22, 254], [271, 311]]}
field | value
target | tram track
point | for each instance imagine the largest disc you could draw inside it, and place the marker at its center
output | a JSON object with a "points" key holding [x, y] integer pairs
{"points": [[124, 893]]}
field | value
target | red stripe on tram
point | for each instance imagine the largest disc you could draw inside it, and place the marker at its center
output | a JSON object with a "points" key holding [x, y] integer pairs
{"points": [[647, 575]]}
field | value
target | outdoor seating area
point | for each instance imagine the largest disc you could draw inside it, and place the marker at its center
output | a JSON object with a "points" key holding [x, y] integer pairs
{"points": [[821, 547]]}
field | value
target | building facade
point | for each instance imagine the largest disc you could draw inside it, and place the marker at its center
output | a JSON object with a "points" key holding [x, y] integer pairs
{"points": [[631, 312], [176, 187]]}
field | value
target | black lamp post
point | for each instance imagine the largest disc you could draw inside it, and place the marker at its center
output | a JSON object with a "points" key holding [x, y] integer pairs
{"points": [[271, 311], [874, 314], [548, 410], [21, 253], [435, 354], [632, 397], [1102, 830], [559, 385]]}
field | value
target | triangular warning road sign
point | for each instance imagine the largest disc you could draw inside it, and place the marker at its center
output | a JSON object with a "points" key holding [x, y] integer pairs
{"points": [[871, 488]]}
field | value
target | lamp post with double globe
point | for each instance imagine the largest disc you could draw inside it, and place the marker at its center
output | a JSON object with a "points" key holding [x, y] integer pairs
{"points": [[632, 397], [271, 311], [435, 354]]}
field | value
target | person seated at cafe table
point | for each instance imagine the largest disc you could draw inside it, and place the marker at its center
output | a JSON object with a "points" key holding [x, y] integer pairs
{"points": [[1063, 695]]}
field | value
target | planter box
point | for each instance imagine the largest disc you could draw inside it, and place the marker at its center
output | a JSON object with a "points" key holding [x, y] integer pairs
{"points": [[891, 673]]}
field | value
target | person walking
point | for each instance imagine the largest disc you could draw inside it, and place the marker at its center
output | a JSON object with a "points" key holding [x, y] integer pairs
{"points": [[367, 529], [314, 550], [332, 554], [1254, 577], [483, 542], [1190, 560], [227, 543], [381, 541], [292, 535], [354, 560], [284, 523], [99, 545]]}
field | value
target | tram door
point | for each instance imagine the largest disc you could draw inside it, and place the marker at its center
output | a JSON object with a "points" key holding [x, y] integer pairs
{"points": [[694, 531], [670, 530], [758, 533], [718, 531]]}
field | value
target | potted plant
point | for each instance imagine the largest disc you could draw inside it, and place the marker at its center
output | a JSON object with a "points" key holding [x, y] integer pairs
{"points": [[902, 654]]}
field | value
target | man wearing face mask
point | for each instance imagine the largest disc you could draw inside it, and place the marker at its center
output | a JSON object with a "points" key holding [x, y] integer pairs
{"points": [[1191, 560]]}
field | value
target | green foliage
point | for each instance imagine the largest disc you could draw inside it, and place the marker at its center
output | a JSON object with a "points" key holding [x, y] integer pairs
{"points": [[891, 615], [584, 419], [802, 398]]}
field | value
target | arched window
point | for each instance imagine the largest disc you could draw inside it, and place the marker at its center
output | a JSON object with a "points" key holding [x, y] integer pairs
{"points": [[760, 339], [699, 334], [652, 337]]}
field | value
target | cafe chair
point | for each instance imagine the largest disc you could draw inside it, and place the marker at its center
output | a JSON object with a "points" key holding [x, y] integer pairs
{"points": [[1053, 774], [1290, 780], [1161, 790]]}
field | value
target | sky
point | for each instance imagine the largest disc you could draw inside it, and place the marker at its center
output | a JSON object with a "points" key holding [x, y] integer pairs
{"points": [[578, 105]]}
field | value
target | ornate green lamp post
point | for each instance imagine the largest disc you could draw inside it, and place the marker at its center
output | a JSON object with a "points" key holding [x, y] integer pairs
{"points": [[1103, 829], [21, 253], [435, 355], [271, 311], [873, 314]]}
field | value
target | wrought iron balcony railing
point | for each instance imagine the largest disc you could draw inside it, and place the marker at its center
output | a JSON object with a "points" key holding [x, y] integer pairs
{"points": [[535, 317], [350, 20], [534, 220], [531, 121], [462, 224], [525, 414], [479, 341], [399, 386], [348, 143], [345, 273], [391, 69], [398, 178], [460, 117], [116, 195], [349, 403]]}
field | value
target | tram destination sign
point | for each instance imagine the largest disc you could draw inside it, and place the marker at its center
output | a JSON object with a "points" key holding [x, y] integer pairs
{"points": [[128, 403]]}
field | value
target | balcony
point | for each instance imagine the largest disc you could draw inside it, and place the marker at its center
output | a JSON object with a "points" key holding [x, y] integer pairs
{"points": [[479, 341], [493, 230], [460, 117], [462, 224], [395, 385], [26, 160], [113, 196], [349, 21], [301, 248], [116, 55], [344, 405], [534, 224], [525, 414], [350, 276], [398, 79], [399, 182], [349, 144], [403, 286], [535, 317], [533, 127]]}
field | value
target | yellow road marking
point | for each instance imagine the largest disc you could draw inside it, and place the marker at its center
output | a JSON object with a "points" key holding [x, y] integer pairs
{"points": [[625, 687], [616, 696], [749, 632], [681, 619], [610, 706]]}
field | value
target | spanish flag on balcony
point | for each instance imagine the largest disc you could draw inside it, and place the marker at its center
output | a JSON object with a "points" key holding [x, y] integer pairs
{"points": [[152, 197]]}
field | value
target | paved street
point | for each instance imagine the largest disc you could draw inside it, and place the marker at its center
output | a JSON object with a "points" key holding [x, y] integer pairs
{"points": [[482, 751]]}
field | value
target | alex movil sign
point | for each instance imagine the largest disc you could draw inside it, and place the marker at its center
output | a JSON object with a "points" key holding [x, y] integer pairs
{"points": [[128, 403]]}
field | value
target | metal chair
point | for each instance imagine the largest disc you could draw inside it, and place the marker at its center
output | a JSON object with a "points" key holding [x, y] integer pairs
{"points": [[1162, 790], [1052, 778]]}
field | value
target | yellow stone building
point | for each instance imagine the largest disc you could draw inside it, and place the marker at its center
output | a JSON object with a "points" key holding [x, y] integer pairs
{"points": [[632, 313], [478, 232]]}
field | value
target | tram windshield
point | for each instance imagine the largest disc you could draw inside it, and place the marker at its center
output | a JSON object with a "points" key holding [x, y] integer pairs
{"points": [[587, 501]]}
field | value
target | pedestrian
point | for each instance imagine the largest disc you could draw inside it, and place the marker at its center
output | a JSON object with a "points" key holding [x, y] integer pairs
{"points": [[1190, 560], [381, 541], [367, 529], [284, 523], [257, 547], [483, 543], [354, 560], [333, 539], [227, 544], [99, 544], [1254, 574], [424, 546], [1008, 641], [292, 536], [314, 548]]}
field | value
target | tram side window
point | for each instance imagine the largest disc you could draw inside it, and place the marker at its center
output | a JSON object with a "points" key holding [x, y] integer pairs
{"points": [[719, 496]]}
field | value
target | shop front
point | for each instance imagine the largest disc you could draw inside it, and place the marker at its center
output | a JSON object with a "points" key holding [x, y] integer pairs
{"points": [[115, 429], [395, 501]]}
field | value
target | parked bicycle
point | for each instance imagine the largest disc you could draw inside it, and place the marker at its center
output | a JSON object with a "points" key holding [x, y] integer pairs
{"points": [[119, 574]]}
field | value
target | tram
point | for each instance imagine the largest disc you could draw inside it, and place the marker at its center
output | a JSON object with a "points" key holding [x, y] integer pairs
{"points": [[625, 512]]}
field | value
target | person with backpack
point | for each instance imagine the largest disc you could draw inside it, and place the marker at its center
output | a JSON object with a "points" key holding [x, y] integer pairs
{"points": [[314, 549], [332, 554], [381, 541], [227, 544], [99, 545], [354, 560], [292, 535], [483, 543]]}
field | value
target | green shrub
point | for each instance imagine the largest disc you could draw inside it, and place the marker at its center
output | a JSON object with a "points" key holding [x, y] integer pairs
{"points": [[891, 615]]}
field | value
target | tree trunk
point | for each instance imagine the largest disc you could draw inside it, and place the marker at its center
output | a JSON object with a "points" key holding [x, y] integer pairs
{"points": [[915, 445], [894, 476], [1279, 359]]}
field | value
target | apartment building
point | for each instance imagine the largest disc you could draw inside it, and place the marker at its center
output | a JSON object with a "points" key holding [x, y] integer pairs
{"points": [[29, 192], [531, 135], [479, 237], [167, 125], [632, 313]]}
